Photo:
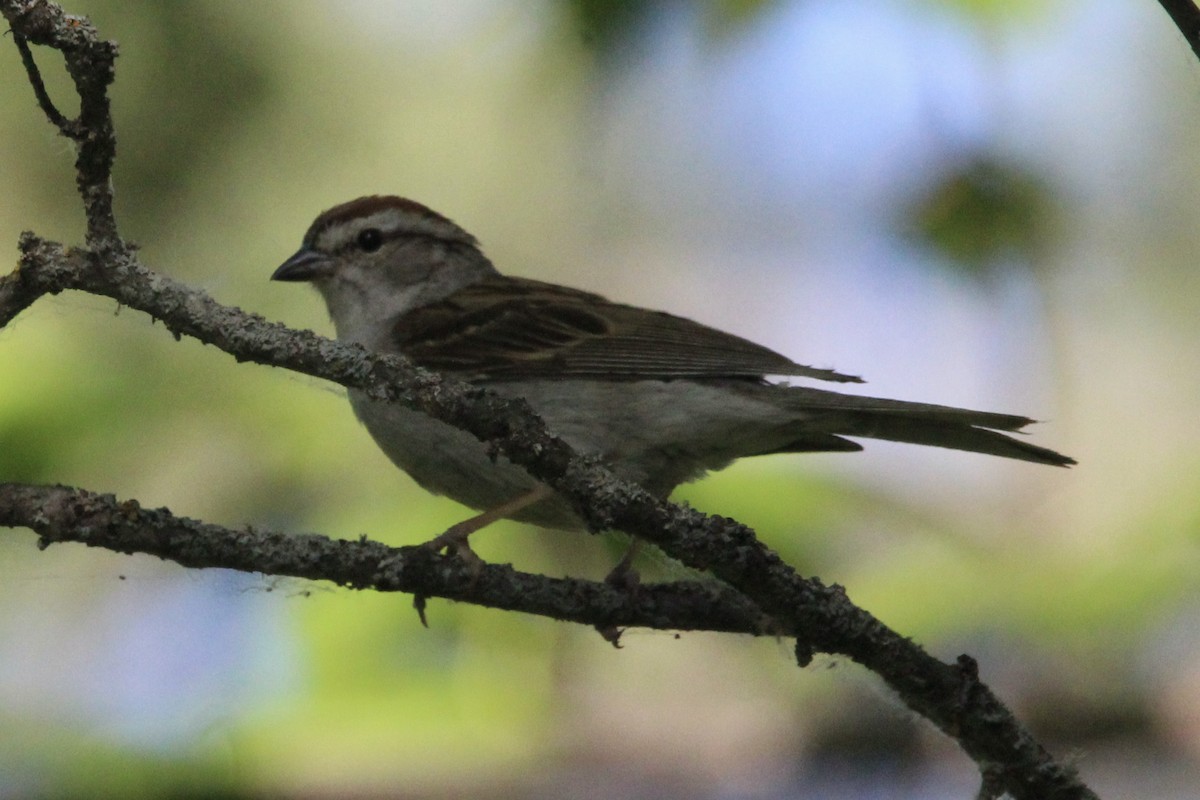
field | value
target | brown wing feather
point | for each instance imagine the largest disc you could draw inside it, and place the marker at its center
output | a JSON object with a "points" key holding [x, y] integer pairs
{"points": [[504, 328]]}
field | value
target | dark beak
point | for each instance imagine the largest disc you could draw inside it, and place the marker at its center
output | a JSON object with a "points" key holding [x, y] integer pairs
{"points": [[304, 265]]}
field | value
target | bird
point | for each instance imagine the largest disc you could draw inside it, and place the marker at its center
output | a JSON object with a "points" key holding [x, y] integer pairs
{"points": [[661, 398]]}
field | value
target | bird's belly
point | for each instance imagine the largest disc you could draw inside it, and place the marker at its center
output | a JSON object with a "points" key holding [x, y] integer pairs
{"points": [[447, 461], [655, 433]]}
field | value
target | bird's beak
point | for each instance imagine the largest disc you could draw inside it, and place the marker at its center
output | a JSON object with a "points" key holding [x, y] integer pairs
{"points": [[304, 265]]}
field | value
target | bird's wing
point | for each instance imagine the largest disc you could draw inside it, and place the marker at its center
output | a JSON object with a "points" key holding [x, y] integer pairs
{"points": [[505, 328]]}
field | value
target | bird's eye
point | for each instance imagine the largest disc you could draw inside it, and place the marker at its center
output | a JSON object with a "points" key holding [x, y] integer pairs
{"points": [[370, 240]]}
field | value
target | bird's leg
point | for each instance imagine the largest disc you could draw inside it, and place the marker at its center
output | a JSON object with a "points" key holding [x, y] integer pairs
{"points": [[456, 535]]}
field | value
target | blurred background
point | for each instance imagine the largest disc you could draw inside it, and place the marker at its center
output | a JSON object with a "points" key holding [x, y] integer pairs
{"points": [[975, 203]]}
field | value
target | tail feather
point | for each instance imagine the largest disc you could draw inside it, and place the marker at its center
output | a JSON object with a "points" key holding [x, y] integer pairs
{"points": [[834, 415]]}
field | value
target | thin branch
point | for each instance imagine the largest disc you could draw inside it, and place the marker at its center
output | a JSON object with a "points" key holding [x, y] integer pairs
{"points": [[16, 295], [66, 127], [65, 514], [1186, 17], [91, 63]]}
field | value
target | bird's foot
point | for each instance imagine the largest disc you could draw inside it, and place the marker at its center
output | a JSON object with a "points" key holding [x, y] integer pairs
{"points": [[456, 542]]}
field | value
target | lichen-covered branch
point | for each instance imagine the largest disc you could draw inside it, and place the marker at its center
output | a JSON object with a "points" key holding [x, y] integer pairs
{"points": [[91, 63], [65, 514]]}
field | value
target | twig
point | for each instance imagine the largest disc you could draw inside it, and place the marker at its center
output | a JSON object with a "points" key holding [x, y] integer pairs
{"points": [[1186, 17], [67, 127], [91, 63]]}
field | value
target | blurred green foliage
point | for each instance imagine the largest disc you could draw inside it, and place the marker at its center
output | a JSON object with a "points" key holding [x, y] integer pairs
{"points": [[608, 25], [986, 215], [192, 84], [1019, 12]]}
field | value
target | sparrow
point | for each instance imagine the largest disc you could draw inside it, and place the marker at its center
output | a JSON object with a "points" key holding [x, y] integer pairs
{"points": [[661, 398]]}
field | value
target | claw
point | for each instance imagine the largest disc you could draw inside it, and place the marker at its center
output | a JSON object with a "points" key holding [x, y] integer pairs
{"points": [[455, 541], [622, 576]]}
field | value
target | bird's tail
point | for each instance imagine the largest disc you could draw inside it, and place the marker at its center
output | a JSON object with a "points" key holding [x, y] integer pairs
{"points": [[829, 416]]}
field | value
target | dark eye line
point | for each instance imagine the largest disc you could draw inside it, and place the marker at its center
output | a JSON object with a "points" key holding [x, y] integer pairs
{"points": [[357, 243]]}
